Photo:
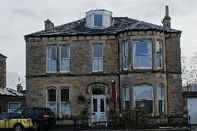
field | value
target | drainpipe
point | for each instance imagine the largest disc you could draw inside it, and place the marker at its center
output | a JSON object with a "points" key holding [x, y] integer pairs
{"points": [[166, 38], [119, 99]]}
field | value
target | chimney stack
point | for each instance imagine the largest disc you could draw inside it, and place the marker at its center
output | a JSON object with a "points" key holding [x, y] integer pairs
{"points": [[48, 24], [167, 19], [19, 88]]}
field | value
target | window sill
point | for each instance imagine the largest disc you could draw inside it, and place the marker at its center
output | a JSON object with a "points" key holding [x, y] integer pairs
{"points": [[57, 73], [98, 72]]}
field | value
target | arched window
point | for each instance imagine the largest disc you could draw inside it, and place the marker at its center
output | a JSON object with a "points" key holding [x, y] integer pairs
{"points": [[144, 98]]}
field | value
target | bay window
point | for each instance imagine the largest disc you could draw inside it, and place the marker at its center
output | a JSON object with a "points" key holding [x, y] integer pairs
{"points": [[142, 54], [97, 62], [148, 98]]}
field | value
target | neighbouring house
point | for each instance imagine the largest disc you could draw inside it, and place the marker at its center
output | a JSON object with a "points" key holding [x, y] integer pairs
{"points": [[10, 99], [190, 100], [102, 63], [2, 71]]}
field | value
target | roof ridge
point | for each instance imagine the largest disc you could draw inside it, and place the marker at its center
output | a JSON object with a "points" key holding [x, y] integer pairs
{"points": [[120, 24]]}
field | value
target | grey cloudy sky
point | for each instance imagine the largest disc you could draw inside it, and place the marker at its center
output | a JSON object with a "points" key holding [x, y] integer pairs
{"points": [[20, 17]]}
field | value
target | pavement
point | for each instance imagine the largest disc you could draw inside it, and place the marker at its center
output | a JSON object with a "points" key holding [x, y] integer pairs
{"points": [[71, 129]]}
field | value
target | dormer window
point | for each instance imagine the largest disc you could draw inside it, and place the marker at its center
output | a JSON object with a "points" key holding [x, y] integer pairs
{"points": [[98, 20]]}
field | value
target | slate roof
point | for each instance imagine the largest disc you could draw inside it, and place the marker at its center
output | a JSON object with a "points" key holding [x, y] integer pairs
{"points": [[9, 92], [2, 56], [120, 24]]}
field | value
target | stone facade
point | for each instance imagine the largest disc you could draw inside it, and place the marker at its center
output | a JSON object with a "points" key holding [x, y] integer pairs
{"points": [[2, 71], [81, 71], [81, 79]]}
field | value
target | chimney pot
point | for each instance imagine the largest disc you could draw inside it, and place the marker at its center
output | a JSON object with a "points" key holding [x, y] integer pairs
{"points": [[167, 19], [167, 10], [19, 88]]}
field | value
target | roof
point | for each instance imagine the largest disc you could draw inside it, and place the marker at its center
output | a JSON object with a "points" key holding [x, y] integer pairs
{"points": [[9, 92], [2, 56], [120, 24]]}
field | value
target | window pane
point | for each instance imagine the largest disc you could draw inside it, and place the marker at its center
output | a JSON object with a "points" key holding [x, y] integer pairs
{"points": [[158, 54], [98, 90], [98, 20], [65, 109], [126, 95], [98, 50], [13, 107], [65, 59], [143, 96], [52, 95], [65, 53], [143, 92], [52, 106], [146, 105], [102, 105], [125, 55], [97, 58], [161, 97], [64, 94], [126, 98], [143, 54], [95, 105], [52, 59]]}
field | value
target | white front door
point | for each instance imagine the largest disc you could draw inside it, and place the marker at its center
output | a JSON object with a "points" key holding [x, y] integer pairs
{"points": [[98, 103]]}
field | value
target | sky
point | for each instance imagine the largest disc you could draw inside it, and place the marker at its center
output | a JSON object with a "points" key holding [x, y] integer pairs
{"points": [[21, 17]]}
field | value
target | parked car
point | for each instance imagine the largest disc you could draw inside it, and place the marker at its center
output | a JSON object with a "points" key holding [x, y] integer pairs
{"points": [[41, 117], [15, 121]]}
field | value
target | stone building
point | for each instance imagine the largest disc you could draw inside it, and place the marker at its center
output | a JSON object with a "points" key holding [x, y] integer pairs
{"points": [[10, 99], [2, 71], [104, 63]]}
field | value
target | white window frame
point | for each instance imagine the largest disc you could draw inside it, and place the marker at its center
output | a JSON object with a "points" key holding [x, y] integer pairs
{"points": [[125, 53], [60, 60], [65, 102], [47, 59], [134, 52], [98, 59]]}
